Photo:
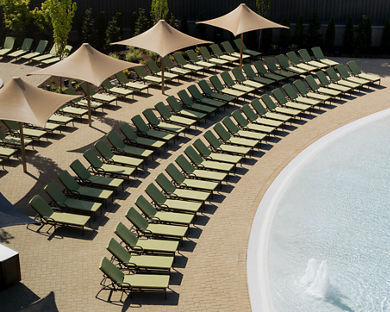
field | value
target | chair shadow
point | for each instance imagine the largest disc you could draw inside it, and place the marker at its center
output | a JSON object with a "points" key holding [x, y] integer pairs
{"points": [[5, 237], [137, 300]]}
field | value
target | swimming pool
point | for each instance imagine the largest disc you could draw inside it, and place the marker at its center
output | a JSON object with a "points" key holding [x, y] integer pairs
{"points": [[320, 240]]}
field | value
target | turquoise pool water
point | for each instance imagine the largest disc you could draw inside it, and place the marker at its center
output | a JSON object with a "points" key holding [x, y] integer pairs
{"points": [[327, 247]]}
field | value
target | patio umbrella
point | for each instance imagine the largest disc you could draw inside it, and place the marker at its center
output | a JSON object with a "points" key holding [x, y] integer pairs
{"points": [[162, 39], [242, 19], [23, 102], [89, 65]]}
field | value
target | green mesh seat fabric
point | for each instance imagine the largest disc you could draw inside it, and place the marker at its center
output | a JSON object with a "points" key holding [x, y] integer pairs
{"points": [[173, 118], [217, 146], [200, 98], [327, 83], [346, 76], [112, 158], [226, 137], [201, 163], [355, 69], [175, 69], [193, 57], [24, 49], [132, 138], [157, 71], [143, 75], [263, 116], [247, 132], [181, 61], [276, 109], [270, 62], [40, 49], [162, 125], [143, 128], [262, 111], [202, 174], [8, 45], [180, 110], [336, 79], [250, 74], [284, 64], [294, 96], [193, 105], [319, 89], [206, 89], [253, 53], [207, 56], [229, 82], [230, 50], [240, 78], [301, 87], [284, 102], [262, 71], [220, 54], [317, 52], [122, 148], [125, 82], [253, 121], [219, 87], [308, 60], [207, 154], [119, 91], [294, 59]]}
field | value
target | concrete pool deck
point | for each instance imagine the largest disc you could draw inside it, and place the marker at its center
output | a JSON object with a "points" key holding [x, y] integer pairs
{"points": [[211, 274]]}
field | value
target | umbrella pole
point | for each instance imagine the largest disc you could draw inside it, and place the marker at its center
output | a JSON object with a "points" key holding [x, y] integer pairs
{"points": [[89, 104], [22, 147], [162, 75], [241, 47]]}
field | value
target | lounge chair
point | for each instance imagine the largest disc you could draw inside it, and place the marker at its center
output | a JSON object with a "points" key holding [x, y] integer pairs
{"points": [[284, 102], [275, 119], [201, 174], [83, 102], [110, 88], [250, 74], [230, 50], [155, 70], [158, 216], [39, 50], [94, 180], [255, 122], [143, 128], [140, 263], [162, 125], [122, 148], [145, 245], [178, 109], [73, 111], [24, 49], [308, 60], [270, 62], [206, 89], [175, 69], [52, 53], [61, 119], [55, 59], [229, 82], [46, 215], [169, 117], [180, 60], [34, 134], [240, 78], [170, 204], [65, 202], [220, 147], [82, 191], [195, 60], [346, 76], [330, 85], [319, 89], [224, 56], [283, 61], [207, 154], [243, 132], [281, 111], [7, 152], [218, 86], [317, 52], [201, 163], [336, 79], [116, 159], [355, 69], [144, 228], [245, 50], [188, 102], [8, 46], [263, 72], [294, 59], [144, 76], [98, 96], [293, 95], [227, 138], [125, 82], [132, 137], [301, 87], [130, 282], [181, 181], [99, 167], [207, 56], [12, 141], [200, 98]]}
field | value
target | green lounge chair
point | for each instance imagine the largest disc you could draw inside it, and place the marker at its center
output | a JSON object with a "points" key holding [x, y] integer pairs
{"points": [[130, 282], [157, 216], [161, 125], [139, 263], [214, 95], [60, 119], [218, 86], [294, 59], [346, 76], [217, 146], [180, 60], [200, 98], [241, 132], [205, 164], [227, 138], [319, 89], [143, 128], [52, 53], [172, 191], [115, 159], [110, 88], [175, 69], [34, 134], [55, 59], [229, 82], [155, 70], [81, 191], [221, 55], [250, 74], [96, 180], [301, 87], [73, 111], [255, 122], [355, 69], [144, 76], [167, 116], [102, 97], [230, 50], [144, 228], [201, 174], [122, 148], [281, 111], [41, 47], [270, 62], [178, 109], [188, 102], [132, 137], [8, 46], [337, 80], [65, 202], [125, 82], [245, 50], [207, 56], [99, 167], [283, 62], [240, 78], [24, 49], [46, 215], [170, 204], [328, 84], [12, 141], [181, 181], [195, 60], [317, 52], [145, 245], [263, 72], [282, 101], [207, 154], [268, 118], [308, 60], [7, 152], [83, 102], [293, 95]]}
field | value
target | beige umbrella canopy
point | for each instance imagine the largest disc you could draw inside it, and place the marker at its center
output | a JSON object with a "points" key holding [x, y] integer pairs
{"points": [[87, 64], [162, 39], [242, 19], [25, 103]]}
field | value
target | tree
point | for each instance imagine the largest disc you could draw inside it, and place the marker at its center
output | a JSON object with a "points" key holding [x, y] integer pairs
{"points": [[101, 26], [61, 14], [132, 22], [314, 37], [285, 35], [114, 30], [88, 28], [363, 38], [348, 39], [385, 42], [200, 29], [159, 10], [263, 7], [330, 35], [142, 23], [17, 16], [299, 32], [184, 25]]}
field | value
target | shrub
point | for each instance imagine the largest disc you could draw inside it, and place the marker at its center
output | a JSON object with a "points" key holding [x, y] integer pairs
{"points": [[101, 26], [184, 25], [299, 32], [314, 36], [349, 36], [88, 29], [285, 35], [385, 42], [159, 10], [330, 35], [133, 54], [143, 23], [363, 38], [113, 31]]}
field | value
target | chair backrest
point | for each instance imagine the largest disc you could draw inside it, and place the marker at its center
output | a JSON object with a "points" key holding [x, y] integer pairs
{"points": [[55, 193], [259, 65], [163, 110], [87, 89], [249, 70], [138, 221], [118, 251], [354, 67], [216, 83], [260, 109], [126, 235], [153, 66], [249, 113], [155, 194], [227, 79], [322, 77], [268, 101], [230, 125], [238, 74], [184, 164], [27, 43], [79, 169], [92, 158], [293, 57], [270, 62], [9, 42], [70, 91], [283, 61], [145, 206], [165, 184], [237, 115], [115, 140], [139, 123], [202, 148], [41, 206], [193, 155], [53, 50], [304, 55], [179, 59], [111, 271], [174, 104], [68, 181], [205, 53], [342, 71], [332, 74], [288, 88], [2, 135], [128, 132], [183, 95], [300, 86], [195, 92], [192, 55], [175, 173], [122, 78], [228, 47], [103, 149], [221, 131], [106, 84], [168, 62], [41, 47], [212, 139], [216, 49], [318, 53], [311, 82], [151, 117], [205, 87], [237, 42], [140, 71], [11, 125], [279, 96]]}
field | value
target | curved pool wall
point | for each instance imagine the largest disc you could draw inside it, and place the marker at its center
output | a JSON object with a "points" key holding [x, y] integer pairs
{"points": [[284, 239]]}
